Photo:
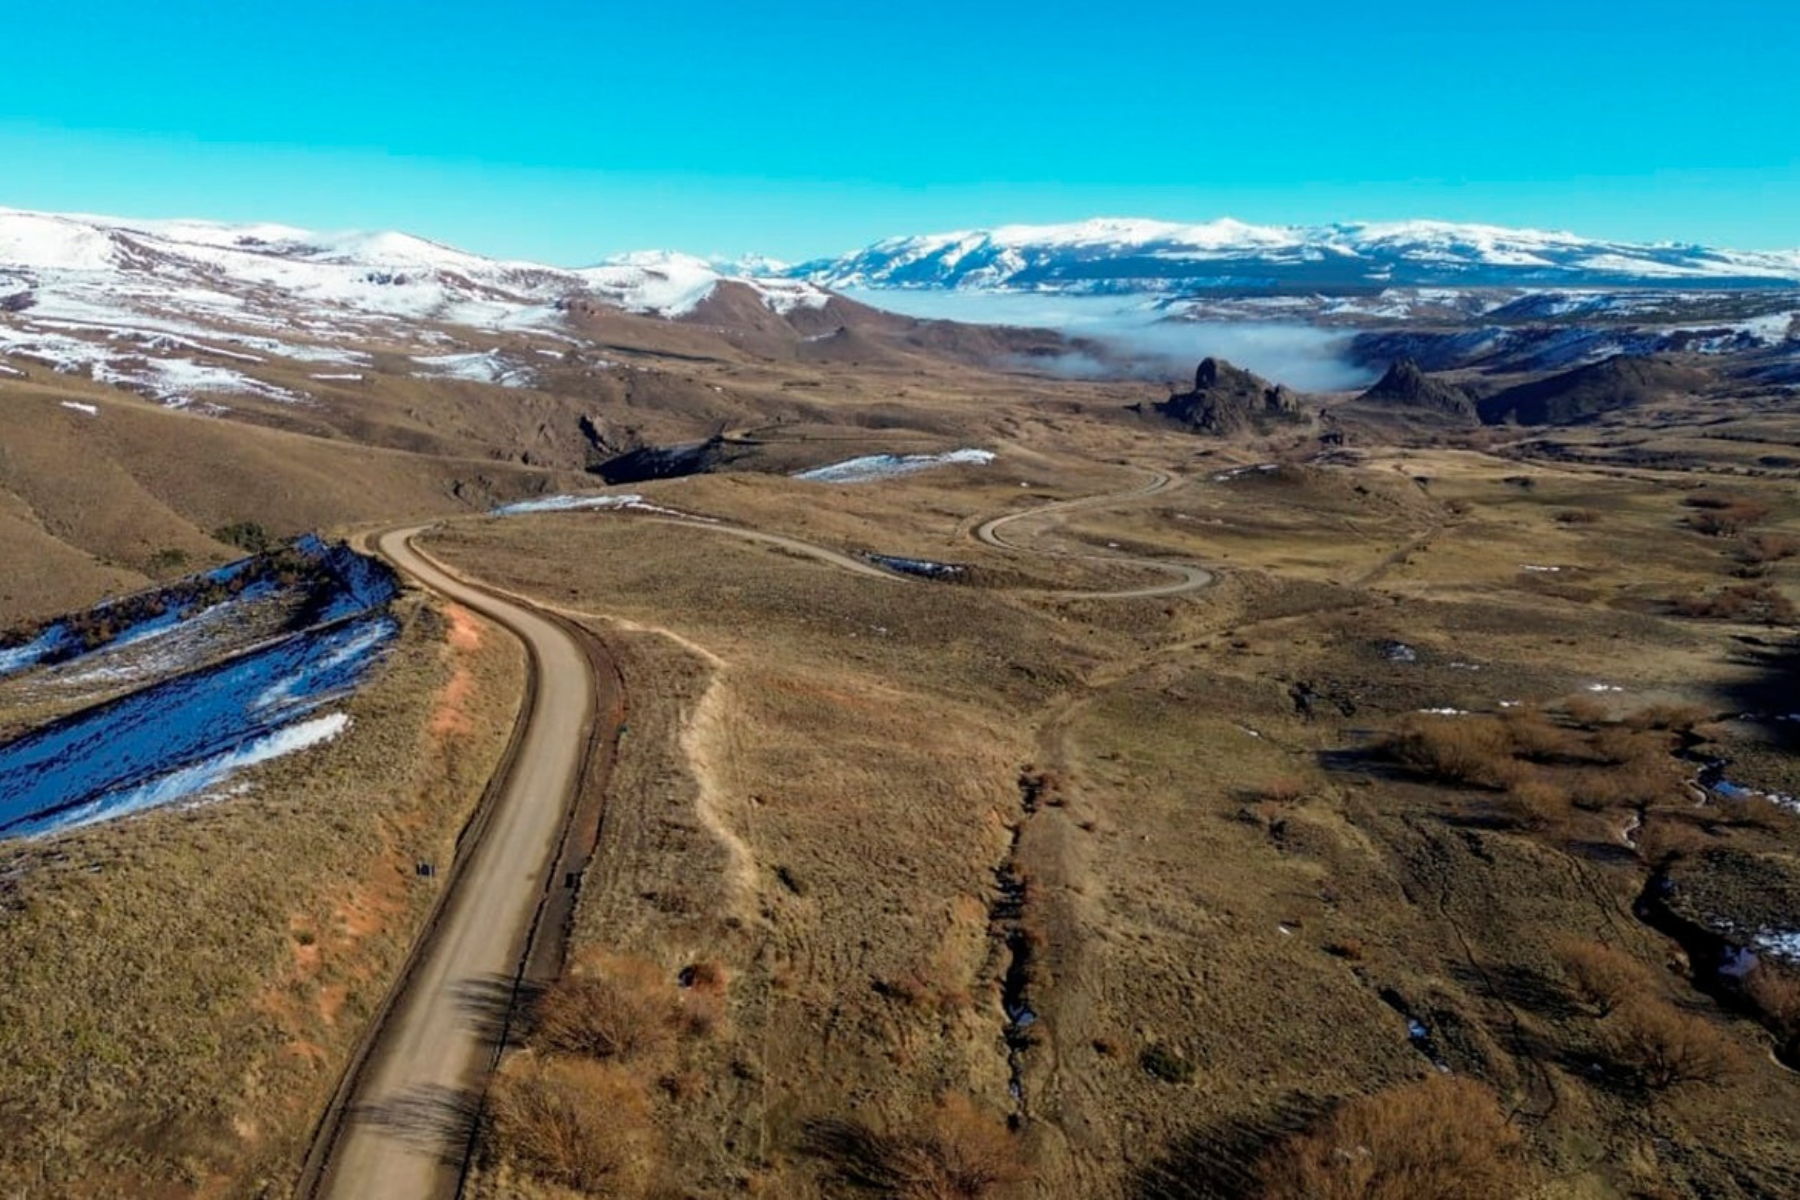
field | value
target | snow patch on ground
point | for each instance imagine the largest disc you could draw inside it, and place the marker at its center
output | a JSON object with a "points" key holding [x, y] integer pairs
{"points": [[887, 466], [621, 501], [91, 410], [487, 367]]}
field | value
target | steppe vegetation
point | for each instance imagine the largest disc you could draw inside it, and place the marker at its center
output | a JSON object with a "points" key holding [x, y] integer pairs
{"points": [[925, 889], [899, 814]]}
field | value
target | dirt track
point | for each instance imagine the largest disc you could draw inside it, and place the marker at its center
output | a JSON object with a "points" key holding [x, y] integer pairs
{"points": [[1190, 578], [401, 1127]]}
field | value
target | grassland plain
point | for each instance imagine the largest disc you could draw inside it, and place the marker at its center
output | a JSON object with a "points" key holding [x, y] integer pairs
{"points": [[851, 802], [184, 987]]}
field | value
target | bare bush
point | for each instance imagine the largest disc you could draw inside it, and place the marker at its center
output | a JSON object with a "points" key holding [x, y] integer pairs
{"points": [[1663, 1046], [1605, 978], [1535, 736], [1762, 548], [1442, 1136], [1776, 995], [1674, 718], [1600, 788], [1578, 516], [581, 1124], [1537, 804], [1724, 516], [613, 1008], [1466, 750], [958, 1151], [1740, 602], [1665, 840], [1585, 711]]}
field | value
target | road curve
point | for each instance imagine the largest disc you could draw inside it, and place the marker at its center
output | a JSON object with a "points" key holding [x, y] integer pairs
{"points": [[1189, 578], [400, 1128]]}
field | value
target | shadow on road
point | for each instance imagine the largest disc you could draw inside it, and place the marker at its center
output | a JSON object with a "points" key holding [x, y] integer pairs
{"points": [[434, 1120], [496, 1006]]}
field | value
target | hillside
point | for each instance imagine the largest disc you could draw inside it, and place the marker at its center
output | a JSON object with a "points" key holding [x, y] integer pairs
{"points": [[1617, 383]]}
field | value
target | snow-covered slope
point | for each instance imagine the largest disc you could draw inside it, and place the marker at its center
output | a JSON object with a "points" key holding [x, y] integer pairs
{"points": [[1115, 256], [172, 309]]}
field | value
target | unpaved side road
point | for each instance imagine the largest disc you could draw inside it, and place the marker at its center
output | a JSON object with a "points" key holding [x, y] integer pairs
{"points": [[401, 1128], [1189, 578]]}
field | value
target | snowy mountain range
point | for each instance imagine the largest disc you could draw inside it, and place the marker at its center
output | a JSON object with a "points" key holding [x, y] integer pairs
{"points": [[182, 310], [1118, 256], [83, 268]]}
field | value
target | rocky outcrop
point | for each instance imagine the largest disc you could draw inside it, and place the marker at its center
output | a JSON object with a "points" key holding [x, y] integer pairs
{"points": [[1406, 386], [1624, 381], [1228, 400]]}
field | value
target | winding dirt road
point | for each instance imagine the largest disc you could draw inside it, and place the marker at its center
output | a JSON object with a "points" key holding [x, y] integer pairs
{"points": [[1189, 577], [400, 1128]]}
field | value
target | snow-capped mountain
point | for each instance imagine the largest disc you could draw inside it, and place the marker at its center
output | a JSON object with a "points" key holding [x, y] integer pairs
{"points": [[1110, 256], [179, 309], [56, 265]]}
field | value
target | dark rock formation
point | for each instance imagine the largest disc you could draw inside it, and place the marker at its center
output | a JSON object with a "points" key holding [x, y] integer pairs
{"points": [[1623, 381], [1405, 386], [664, 462], [1228, 400]]}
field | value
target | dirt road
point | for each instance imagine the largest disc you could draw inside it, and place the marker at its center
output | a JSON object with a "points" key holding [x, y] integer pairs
{"points": [[401, 1129], [1189, 578]]}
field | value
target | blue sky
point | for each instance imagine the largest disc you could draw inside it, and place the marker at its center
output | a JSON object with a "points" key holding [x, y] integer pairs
{"points": [[565, 131]]}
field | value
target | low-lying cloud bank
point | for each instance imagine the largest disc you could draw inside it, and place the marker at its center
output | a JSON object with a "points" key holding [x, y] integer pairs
{"points": [[1301, 356]]}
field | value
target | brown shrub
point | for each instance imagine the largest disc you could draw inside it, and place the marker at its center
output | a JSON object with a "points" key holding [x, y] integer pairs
{"points": [[1585, 711], [1739, 602], [958, 1151], [1753, 811], [1761, 548], [1578, 516], [1724, 517], [610, 1008], [581, 1124], [1466, 750], [1617, 744], [1663, 1046], [1283, 789], [1776, 995], [1674, 718], [1600, 788], [1537, 804], [1602, 976], [1664, 840], [1538, 738], [1442, 1136]]}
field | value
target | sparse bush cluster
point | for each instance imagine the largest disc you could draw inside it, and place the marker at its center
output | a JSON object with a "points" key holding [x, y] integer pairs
{"points": [[1546, 768], [1642, 1035], [1760, 601], [1720, 515], [575, 1109], [1442, 1136], [1754, 554], [957, 1151], [581, 1124], [1775, 994]]}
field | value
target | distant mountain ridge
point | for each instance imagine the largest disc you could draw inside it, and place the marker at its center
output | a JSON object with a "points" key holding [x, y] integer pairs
{"points": [[1115, 256]]}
